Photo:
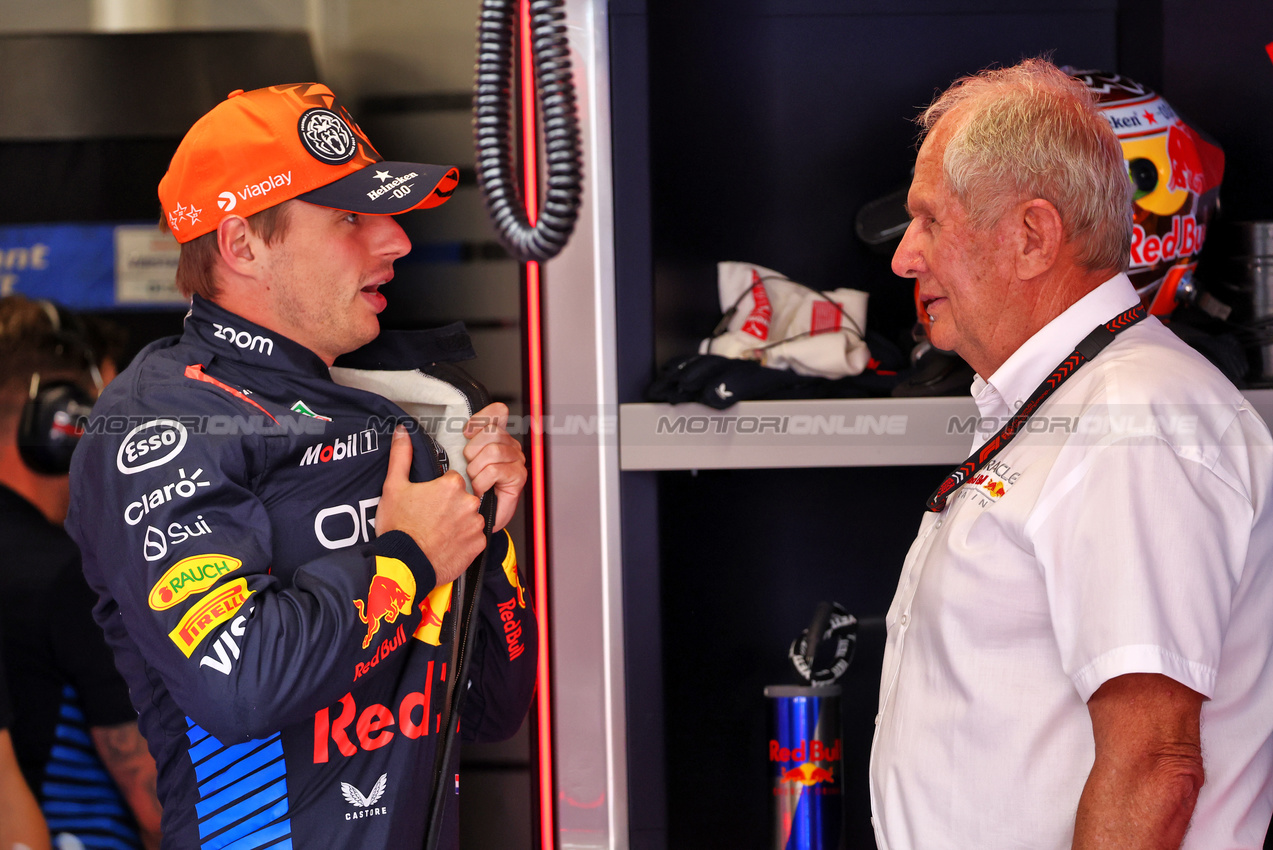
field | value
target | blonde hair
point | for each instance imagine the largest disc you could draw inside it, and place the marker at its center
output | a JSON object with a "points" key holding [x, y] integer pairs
{"points": [[1033, 131]]}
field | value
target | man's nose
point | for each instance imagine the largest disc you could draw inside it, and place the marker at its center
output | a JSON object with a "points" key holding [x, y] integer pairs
{"points": [[907, 261], [391, 239]]}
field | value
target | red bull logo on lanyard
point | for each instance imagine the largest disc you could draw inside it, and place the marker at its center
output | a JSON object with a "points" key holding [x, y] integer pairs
{"points": [[1175, 173]]}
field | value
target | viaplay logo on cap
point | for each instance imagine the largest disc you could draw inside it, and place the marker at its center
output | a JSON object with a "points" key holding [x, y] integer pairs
{"points": [[326, 136]]}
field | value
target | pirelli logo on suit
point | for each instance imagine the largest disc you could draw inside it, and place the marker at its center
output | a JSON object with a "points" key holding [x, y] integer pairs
{"points": [[211, 611]]}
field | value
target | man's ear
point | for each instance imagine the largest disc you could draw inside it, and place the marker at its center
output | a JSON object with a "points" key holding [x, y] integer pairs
{"points": [[237, 244], [1042, 236]]}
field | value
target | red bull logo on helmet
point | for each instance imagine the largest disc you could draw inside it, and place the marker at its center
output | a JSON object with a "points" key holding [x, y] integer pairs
{"points": [[1184, 239], [1175, 171], [392, 592]]}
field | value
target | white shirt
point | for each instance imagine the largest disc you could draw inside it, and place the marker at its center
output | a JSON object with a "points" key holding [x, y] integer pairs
{"points": [[1127, 530]]}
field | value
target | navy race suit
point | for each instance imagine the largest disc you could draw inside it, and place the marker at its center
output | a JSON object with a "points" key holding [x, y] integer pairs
{"points": [[289, 666]]}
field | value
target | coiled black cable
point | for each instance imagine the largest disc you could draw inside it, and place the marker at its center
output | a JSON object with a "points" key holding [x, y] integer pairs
{"points": [[493, 128]]}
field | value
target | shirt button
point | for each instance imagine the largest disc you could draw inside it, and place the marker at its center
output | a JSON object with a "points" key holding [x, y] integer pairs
{"points": [[872, 820], [938, 523], [904, 619], [877, 720]]}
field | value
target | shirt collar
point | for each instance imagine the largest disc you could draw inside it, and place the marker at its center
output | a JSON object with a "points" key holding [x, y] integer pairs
{"points": [[232, 337], [1023, 371]]}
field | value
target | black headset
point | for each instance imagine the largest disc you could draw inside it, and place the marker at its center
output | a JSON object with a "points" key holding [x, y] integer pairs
{"points": [[53, 416]]}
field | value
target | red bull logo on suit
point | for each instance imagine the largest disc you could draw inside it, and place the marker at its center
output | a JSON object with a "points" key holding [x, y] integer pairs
{"points": [[391, 593]]}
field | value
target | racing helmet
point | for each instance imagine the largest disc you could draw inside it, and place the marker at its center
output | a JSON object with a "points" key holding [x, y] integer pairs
{"points": [[1175, 172]]}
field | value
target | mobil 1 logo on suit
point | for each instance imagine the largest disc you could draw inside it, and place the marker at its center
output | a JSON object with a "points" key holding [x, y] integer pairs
{"points": [[351, 445]]}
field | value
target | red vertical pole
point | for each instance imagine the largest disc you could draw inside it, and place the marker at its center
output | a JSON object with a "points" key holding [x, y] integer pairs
{"points": [[535, 404]]}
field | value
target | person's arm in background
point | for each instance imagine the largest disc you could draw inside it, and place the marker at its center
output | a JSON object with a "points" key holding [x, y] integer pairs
{"points": [[123, 751], [89, 666], [22, 827], [21, 822]]}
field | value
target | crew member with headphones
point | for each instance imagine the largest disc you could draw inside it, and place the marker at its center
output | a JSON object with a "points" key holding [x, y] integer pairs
{"points": [[74, 729]]}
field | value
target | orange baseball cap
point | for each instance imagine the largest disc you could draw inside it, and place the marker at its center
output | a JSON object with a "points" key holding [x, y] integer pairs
{"points": [[256, 149]]}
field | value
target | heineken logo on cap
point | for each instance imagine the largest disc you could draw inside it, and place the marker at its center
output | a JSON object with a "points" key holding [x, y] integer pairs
{"points": [[326, 136]]}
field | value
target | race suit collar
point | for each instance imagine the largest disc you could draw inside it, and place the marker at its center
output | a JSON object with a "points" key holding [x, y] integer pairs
{"points": [[411, 349], [232, 337]]}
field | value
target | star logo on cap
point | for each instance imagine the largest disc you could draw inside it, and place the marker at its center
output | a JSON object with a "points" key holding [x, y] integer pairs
{"points": [[382, 176], [182, 213]]}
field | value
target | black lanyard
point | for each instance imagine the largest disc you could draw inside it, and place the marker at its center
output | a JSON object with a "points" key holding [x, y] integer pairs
{"points": [[1091, 346]]}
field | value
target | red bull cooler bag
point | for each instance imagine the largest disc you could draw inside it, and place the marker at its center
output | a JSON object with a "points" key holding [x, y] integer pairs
{"points": [[805, 766]]}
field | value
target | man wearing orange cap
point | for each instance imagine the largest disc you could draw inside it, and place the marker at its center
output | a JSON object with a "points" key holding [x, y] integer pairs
{"points": [[273, 556]]}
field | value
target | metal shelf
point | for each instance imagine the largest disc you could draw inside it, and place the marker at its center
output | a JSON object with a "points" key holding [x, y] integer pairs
{"points": [[808, 433]]}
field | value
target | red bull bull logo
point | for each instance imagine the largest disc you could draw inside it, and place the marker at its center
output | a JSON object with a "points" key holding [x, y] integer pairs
{"points": [[432, 610], [815, 772], [808, 774], [392, 592], [991, 485]]}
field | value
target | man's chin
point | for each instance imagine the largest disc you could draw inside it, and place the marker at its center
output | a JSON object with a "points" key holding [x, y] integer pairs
{"points": [[370, 332], [941, 339]]}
